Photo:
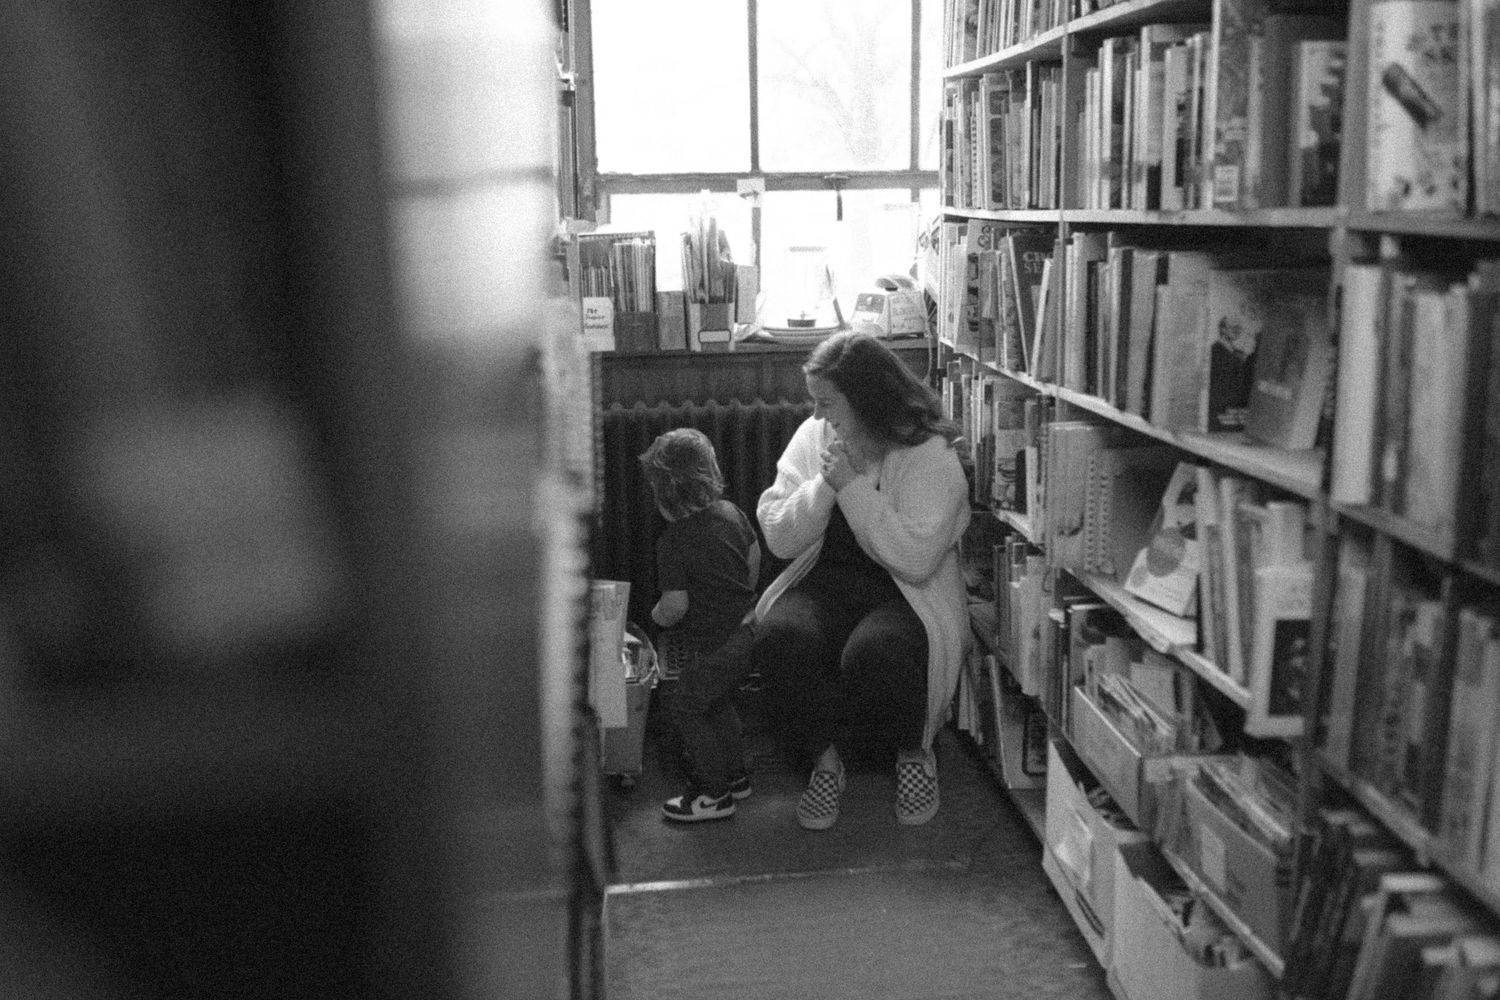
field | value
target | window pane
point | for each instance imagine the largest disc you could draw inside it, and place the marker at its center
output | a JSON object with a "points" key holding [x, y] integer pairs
{"points": [[877, 236], [668, 214], [835, 84], [932, 83], [671, 86]]}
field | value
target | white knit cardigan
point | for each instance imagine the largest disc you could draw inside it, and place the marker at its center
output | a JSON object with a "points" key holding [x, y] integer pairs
{"points": [[907, 514]]}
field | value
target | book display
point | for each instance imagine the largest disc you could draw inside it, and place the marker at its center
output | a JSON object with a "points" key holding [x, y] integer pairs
{"points": [[1238, 420]]}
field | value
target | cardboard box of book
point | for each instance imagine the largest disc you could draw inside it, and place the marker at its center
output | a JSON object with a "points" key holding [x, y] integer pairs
{"points": [[1083, 832], [622, 672], [1135, 780], [1252, 879], [1152, 957], [623, 747]]}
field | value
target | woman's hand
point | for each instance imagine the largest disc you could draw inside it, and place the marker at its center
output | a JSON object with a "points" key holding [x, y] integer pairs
{"points": [[840, 465]]}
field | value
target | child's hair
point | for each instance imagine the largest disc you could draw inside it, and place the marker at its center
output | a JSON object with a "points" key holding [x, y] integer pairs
{"points": [[683, 472]]}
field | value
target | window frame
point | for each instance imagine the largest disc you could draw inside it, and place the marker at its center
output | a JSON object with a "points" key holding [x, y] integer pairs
{"points": [[596, 188]]}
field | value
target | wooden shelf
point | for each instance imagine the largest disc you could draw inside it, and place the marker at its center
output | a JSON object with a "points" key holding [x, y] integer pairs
{"points": [[1163, 631], [1417, 224], [1273, 962], [1041, 387], [1137, 12], [1408, 533], [1297, 472], [1427, 846], [1218, 679], [1167, 633], [1020, 522], [1266, 218], [1044, 47], [1027, 216]]}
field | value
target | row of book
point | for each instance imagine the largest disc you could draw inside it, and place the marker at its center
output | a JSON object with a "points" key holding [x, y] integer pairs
{"points": [[975, 28], [992, 411], [620, 267], [1247, 109], [1055, 637], [999, 136], [1182, 338], [997, 291], [1416, 426], [1192, 342], [1413, 692], [1242, 114], [1256, 581], [1216, 549], [1368, 922]]}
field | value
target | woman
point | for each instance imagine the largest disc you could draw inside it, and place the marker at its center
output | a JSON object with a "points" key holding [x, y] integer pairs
{"points": [[869, 623]]}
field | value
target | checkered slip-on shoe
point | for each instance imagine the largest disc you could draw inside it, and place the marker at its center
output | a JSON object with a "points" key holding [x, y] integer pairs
{"points": [[818, 809], [694, 807], [916, 789]]}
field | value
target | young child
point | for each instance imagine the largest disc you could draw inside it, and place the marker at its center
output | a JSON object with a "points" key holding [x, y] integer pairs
{"points": [[708, 563]]}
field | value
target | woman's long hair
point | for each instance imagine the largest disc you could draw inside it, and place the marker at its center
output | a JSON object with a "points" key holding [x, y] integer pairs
{"points": [[891, 402]]}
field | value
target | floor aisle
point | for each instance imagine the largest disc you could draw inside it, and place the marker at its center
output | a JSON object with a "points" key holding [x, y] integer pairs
{"points": [[755, 907]]}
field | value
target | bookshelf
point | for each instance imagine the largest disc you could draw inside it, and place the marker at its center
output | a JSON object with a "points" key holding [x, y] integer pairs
{"points": [[273, 572], [1069, 126]]}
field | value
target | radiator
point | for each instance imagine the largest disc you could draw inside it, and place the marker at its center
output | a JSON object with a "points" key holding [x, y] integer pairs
{"points": [[748, 438]]}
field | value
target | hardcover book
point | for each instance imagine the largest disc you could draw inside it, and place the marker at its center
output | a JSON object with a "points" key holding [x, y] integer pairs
{"points": [[1165, 571], [1176, 74], [1153, 107], [1145, 272], [1227, 100], [1085, 249], [1417, 148], [1275, 100], [1293, 368], [1435, 423], [1027, 253], [1237, 301], [1346, 629], [1124, 495], [1358, 378], [1317, 122], [1282, 650], [1472, 745], [1180, 341]]}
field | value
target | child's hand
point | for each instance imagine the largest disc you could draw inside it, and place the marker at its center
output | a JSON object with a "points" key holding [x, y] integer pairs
{"points": [[671, 608]]}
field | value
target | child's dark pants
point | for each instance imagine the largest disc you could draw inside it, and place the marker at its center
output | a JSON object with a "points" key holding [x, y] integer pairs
{"points": [[704, 713]]}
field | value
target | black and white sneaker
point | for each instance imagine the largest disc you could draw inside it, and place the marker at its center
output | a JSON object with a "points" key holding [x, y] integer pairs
{"points": [[739, 787], [916, 787], [693, 806]]}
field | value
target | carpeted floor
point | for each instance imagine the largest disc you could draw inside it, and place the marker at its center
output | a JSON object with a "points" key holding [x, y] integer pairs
{"points": [[755, 907]]}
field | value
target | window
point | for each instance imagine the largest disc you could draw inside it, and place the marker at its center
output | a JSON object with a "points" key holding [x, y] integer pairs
{"points": [[826, 102]]}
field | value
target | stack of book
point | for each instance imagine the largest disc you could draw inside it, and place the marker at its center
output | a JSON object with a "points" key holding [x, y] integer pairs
{"points": [[975, 28], [1369, 923], [1416, 430], [999, 136], [1191, 343], [1243, 113]]}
